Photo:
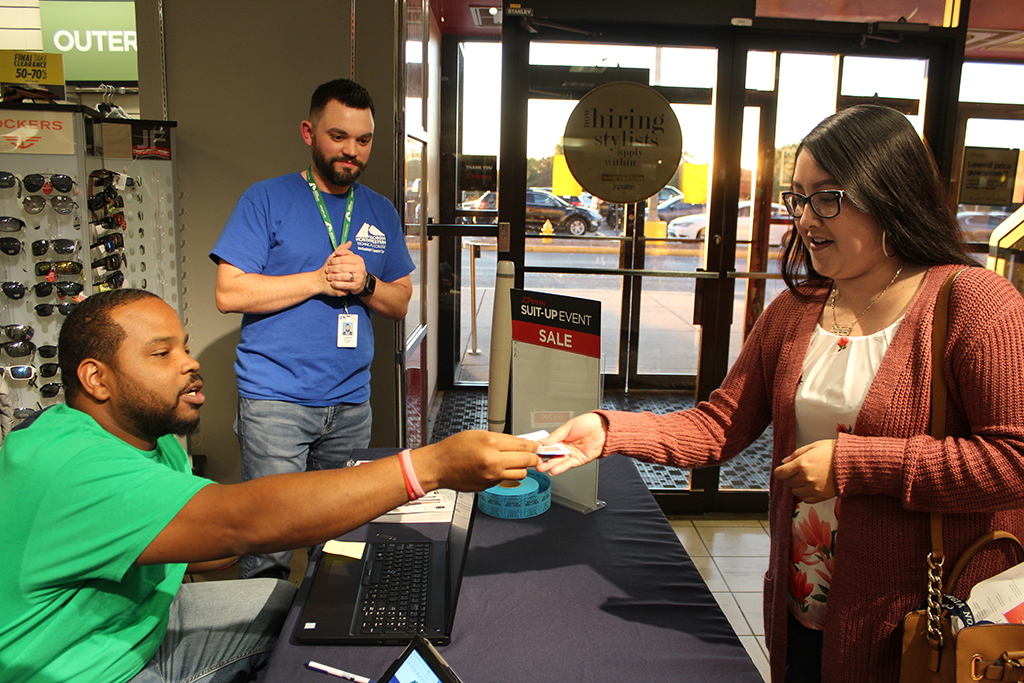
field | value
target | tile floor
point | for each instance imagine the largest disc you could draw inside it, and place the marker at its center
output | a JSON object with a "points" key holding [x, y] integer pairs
{"points": [[731, 553]]}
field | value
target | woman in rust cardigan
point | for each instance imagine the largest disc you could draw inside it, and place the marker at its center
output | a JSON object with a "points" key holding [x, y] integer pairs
{"points": [[840, 364]]}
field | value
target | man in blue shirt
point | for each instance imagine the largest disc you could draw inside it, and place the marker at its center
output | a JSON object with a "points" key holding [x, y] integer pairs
{"points": [[308, 258]]}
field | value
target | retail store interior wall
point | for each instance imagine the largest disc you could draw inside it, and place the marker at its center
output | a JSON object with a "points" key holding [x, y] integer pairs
{"points": [[238, 81]]}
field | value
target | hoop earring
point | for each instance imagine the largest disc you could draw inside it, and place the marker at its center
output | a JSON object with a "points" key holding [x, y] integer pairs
{"points": [[886, 253]]}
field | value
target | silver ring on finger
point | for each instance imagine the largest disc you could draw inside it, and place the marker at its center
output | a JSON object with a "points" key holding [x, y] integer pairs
{"points": [[351, 277]]}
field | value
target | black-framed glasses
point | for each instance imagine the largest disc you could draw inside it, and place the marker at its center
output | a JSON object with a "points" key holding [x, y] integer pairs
{"points": [[11, 224], [50, 390], [62, 267], [826, 203], [107, 197], [61, 203], [45, 310], [9, 180], [113, 281], [111, 262], [13, 290], [112, 222], [49, 369], [18, 349], [11, 246], [64, 288], [20, 371], [58, 181], [61, 246], [19, 332], [22, 413], [47, 350], [109, 243]]}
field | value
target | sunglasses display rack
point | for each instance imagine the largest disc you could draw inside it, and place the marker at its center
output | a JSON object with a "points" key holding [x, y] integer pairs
{"points": [[87, 204]]}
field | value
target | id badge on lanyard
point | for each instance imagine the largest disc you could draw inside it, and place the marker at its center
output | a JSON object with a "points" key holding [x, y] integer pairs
{"points": [[348, 323]]}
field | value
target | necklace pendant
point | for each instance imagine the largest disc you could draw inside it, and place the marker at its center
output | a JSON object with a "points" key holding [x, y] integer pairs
{"points": [[841, 330]]}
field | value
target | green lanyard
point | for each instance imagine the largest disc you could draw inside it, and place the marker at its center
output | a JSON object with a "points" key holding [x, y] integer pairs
{"points": [[323, 209]]}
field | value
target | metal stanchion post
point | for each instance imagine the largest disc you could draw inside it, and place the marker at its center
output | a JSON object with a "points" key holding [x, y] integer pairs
{"points": [[474, 255]]}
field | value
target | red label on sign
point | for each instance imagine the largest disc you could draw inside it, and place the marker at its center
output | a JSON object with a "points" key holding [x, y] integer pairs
{"points": [[573, 341]]}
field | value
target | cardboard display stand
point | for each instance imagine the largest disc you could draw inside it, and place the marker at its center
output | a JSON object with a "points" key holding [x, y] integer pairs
{"points": [[556, 375]]}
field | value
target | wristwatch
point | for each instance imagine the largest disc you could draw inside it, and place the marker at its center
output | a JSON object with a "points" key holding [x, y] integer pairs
{"points": [[371, 282]]}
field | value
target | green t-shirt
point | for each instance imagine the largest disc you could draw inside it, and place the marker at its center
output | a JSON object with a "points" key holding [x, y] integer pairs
{"points": [[77, 507]]}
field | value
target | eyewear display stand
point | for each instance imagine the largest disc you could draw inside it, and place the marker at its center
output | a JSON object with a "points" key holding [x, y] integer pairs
{"points": [[86, 204]]}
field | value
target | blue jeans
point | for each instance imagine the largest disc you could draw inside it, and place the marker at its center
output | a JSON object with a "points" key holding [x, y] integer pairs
{"points": [[218, 630], [277, 437]]}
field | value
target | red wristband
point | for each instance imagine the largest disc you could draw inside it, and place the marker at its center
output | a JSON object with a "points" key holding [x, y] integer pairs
{"points": [[412, 483]]}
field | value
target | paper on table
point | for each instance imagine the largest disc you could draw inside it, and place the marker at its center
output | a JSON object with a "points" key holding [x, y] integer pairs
{"points": [[436, 506], [345, 548]]}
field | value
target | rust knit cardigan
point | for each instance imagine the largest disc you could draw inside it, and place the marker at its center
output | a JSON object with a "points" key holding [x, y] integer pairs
{"points": [[889, 473]]}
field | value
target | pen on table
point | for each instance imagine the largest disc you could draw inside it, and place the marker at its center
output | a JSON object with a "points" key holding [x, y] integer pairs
{"points": [[316, 666]]}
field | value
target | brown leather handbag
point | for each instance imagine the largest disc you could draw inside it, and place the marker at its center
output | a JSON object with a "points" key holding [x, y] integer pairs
{"points": [[932, 653]]}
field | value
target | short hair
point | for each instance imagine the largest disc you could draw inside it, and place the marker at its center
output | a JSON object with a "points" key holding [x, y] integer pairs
{"points": [[342, 90], [89, 331], [888, 172]]}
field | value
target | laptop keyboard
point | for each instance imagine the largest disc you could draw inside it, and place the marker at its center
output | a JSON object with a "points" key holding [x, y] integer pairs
{"points": [[396, 583]]}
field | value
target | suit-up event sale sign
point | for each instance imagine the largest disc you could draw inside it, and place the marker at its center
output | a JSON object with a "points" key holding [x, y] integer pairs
{"points": [[556, 359]]}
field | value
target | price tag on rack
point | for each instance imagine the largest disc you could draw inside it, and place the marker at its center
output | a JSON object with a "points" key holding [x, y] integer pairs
{"points": [[33, 71]]}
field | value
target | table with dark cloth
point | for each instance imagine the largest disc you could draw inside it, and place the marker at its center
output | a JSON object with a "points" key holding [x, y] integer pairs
{"points": [[607, 596]]}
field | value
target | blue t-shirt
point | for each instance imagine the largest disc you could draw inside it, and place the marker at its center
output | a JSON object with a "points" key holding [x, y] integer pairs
{"points": [[79, 506], [292, 355]]}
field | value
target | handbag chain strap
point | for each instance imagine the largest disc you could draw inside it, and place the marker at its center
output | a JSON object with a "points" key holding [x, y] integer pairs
{"points": [[936, 558]]}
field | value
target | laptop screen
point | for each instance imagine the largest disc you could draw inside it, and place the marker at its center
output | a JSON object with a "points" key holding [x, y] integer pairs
{"points": [[458, 548]]}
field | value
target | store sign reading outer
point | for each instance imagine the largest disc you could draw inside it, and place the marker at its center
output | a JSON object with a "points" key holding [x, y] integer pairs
{"points": [[623, 142]]}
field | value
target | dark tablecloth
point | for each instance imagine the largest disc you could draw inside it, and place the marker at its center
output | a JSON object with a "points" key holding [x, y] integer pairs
{"points": [[608, 596]]}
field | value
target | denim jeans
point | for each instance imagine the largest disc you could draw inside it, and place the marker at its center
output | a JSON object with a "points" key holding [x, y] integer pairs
{"points": [[218, 630], [278, 437]]}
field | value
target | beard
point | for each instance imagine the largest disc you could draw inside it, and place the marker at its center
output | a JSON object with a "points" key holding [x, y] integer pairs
{"points": [[154, 418], [325, 167]]}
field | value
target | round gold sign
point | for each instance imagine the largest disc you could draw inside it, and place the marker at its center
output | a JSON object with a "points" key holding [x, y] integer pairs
{"points": [[622, 142]]}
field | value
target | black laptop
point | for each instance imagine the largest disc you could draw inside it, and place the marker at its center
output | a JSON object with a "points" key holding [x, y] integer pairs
{"points": [[398, 590]]}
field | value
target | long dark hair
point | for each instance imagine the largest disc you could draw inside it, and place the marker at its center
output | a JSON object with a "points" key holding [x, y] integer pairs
{"points": [[889, 173]]}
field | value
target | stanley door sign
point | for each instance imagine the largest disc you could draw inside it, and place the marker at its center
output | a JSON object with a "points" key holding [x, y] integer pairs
{"points": [[557, 322]]}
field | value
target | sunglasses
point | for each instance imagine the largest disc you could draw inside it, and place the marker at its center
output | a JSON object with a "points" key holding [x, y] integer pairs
{"points": [[60, 203], [11, 224], [64, 288], [45, 310], [58, 181], [13, 290], [47, 350], [111, 262], [113, 222], [109, 243], [40, 247], [50, 390], [18, 349], [8, 180], [108, 198], [18, 332], [48, 369], [23, 413], [113, 281], [63, 267], [11, 245], [19, 371]]}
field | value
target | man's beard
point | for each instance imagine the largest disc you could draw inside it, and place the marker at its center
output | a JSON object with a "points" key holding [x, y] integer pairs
{"points": [[339, 177], [154, 420]]}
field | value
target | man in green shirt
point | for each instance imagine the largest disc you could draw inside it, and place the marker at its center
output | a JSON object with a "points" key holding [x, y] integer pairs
{"points": [[102, 516]]}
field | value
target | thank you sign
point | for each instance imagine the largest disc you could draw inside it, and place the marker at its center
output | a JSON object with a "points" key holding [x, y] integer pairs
{"points": [[623, 142]]}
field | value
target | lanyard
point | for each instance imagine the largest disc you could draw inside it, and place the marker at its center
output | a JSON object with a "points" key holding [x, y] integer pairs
{"points": [[323, 209]]}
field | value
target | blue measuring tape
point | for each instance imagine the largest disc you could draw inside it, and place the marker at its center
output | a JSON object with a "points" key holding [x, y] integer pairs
{"points": [[517, 499]]}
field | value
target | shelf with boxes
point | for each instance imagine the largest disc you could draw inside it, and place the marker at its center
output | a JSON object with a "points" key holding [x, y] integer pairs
{"points": [[86, 204]]}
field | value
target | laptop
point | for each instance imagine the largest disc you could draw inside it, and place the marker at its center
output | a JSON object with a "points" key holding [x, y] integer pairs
{"points": [[398, 590]]}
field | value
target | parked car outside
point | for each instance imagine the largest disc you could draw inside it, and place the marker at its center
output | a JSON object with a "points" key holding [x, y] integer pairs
{"points": [[694, 226], [541, 205], [612, 213], [977, 226], [678, 206]]}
